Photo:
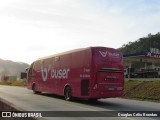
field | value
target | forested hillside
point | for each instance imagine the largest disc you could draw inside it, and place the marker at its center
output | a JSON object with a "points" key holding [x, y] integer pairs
{"points": [[142, 45], [8, 67]]}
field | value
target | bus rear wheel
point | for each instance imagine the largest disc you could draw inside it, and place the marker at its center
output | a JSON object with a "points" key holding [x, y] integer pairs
{"points": [[93, 99], [67, 94], [35, 89]]}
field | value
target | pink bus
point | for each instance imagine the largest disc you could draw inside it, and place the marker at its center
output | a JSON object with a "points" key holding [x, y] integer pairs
{"points": [[91, 73]]}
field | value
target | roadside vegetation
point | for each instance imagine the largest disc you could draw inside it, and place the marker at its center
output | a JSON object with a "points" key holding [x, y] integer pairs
{"points": [[143, 90], [21, 83], [134, 89]]}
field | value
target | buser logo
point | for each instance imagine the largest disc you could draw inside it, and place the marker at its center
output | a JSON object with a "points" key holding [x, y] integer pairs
{"points": [[104, 54], [54, 73]]}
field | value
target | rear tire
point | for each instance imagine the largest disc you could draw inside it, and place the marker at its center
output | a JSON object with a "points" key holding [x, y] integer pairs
{"points": [[35, 90], [93, 99], [67, 94]]}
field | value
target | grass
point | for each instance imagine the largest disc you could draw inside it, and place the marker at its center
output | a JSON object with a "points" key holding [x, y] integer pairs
{"points": [[21, 83], [144, 90]]}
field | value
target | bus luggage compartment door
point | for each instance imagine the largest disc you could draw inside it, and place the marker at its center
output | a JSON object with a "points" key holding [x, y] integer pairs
{"points": [[85, 87]]}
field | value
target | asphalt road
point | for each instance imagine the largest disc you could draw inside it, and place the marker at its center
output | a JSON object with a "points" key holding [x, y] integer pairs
{"points": [[25, 100]]}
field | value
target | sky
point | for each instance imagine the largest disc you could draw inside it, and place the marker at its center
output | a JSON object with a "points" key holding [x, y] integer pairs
{"points": [[30, 29]]}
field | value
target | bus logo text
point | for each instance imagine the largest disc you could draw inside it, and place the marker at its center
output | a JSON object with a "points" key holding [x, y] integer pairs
{"points": [[104, 54], [54, 73]]}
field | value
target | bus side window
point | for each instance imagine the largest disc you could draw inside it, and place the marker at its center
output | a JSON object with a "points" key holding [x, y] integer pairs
{"points": [[30, 71]]}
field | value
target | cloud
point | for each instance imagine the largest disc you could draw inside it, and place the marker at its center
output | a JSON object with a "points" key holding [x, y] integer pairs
{"points": [[42, 27]]}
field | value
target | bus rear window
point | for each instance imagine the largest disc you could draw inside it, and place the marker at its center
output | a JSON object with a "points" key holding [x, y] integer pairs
{"points": [[111, 70], [107, 55]]}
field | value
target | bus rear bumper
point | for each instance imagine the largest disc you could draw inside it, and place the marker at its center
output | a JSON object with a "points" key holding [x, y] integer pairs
{"points": [[112, 94]]}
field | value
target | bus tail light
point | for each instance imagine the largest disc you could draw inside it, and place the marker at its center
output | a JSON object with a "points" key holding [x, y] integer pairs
{"points": [[95, 86]]}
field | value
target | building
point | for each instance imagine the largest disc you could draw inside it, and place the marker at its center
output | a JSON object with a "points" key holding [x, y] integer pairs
{"points": [[143, 65]]}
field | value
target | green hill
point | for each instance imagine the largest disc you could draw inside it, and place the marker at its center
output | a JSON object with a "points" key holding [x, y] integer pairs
{"points": [[142, 44]]}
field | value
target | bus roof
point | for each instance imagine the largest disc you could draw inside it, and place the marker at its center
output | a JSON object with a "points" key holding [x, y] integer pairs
{"points": [[63, 53], [70, 51]]}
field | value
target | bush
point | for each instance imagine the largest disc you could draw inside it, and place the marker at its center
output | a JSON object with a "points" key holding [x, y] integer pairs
{"points": [[19, 83]]}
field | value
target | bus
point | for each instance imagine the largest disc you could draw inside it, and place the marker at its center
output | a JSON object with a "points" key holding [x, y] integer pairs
{"points": [[91, 73]]}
